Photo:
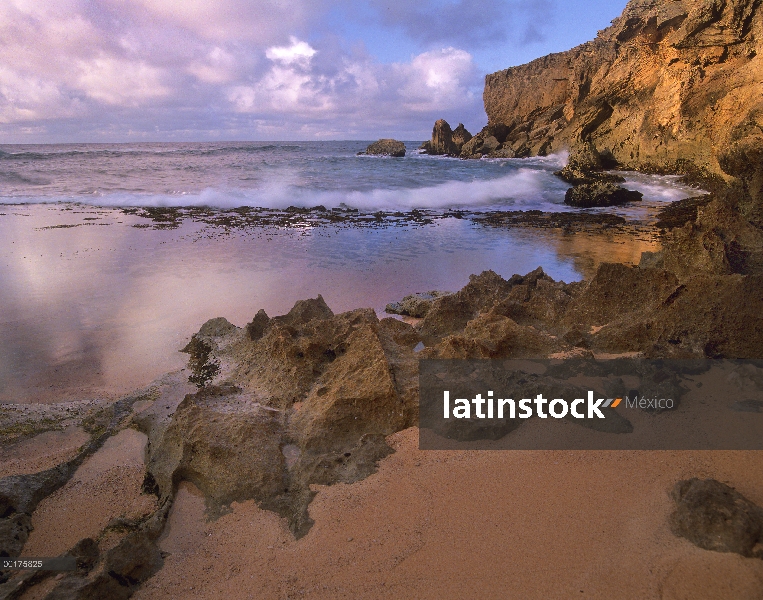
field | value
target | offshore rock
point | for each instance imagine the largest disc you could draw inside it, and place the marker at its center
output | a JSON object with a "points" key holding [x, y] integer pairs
{"points": [[585, 165], [386, 147], [446, 141], [589, 195], [460, 137]]}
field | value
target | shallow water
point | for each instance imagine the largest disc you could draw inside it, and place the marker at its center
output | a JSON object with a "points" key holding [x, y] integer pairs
{"points": [[90, 304], [101, 306]]}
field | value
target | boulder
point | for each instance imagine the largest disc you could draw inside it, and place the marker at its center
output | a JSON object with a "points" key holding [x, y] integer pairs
{"points": [[490, 144], [589, 195], [386, 147], [716, 517]]}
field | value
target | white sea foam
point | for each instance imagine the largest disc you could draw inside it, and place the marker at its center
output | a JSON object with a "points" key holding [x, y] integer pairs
{"points": [[522, 189]]}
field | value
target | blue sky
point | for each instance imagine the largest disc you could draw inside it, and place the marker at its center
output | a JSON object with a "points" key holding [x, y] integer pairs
{"points": [[166, 70]]}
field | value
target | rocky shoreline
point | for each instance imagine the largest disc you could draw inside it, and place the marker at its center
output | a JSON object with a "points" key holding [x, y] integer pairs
{"points": [[312, 398]]}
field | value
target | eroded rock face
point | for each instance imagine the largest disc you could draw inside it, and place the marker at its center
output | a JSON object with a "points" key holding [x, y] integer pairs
{"points": [[716, 517], [386, 147], [661, 89], [303, 398]]}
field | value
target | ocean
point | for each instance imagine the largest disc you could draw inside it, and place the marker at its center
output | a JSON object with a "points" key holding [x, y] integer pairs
{"points": [[279, 175], [97, 298]]}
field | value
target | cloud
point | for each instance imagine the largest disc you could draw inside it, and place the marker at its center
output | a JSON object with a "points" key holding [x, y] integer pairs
{"points": [[298, 52], [361, 90], [204, 69]]}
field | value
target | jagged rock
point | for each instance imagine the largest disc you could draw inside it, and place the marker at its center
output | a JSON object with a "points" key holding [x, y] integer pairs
{"points": [[590, 195], [256, 328], [327, 387], [356, 395], [415, 305], [305, 311], [490, 144], [721, 241], [460, 137], [585, 165], [651, 311], [585, 157], [386, 147], [473, 148], [216, 328], [492, 335], [716, 517], [443, 141], [450, 314], [618, 290], [576, 176]]}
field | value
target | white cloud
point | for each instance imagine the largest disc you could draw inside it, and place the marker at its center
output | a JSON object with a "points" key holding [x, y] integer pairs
{"points": [[29, 98], [204, 67], [218, 66], [438, 79], [298, 53]]}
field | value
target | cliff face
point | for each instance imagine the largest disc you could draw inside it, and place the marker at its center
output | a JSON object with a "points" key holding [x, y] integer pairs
{"points": [[672, 85]]}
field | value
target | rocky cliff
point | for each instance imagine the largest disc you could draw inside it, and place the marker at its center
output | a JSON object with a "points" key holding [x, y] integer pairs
{"points": [[670, 86]]}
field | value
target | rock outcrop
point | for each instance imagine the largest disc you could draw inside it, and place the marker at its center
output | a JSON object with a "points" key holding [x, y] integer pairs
{"points": [[446, 141], [386, 147], [415, 305], [589, 195], [669, 87], [298, 399]]}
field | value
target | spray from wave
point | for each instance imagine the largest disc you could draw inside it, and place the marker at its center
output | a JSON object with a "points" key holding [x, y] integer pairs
{"points": [[523, 189]]}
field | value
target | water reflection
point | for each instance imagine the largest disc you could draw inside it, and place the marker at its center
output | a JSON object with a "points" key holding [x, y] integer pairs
{"points": [[101, 307]]}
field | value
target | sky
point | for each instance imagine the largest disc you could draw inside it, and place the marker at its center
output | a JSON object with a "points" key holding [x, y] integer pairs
{"points": [[198, 70]]}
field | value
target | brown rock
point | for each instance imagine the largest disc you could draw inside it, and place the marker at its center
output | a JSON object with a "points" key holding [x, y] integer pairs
{"points": [[442, 139], [588, 195], [661, 89], [386, 147], [716, 517], [460, 137]]}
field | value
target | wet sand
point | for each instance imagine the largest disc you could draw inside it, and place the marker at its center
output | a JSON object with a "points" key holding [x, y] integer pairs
{"points": [[444, 524], [107, 486], [42, 451]]}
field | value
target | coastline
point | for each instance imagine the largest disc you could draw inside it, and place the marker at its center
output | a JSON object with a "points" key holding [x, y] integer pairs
{"points": [[284, 459]]}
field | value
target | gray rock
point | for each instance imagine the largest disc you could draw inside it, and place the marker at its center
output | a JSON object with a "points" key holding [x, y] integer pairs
{"points": [[716, 517], [386, 147]]}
